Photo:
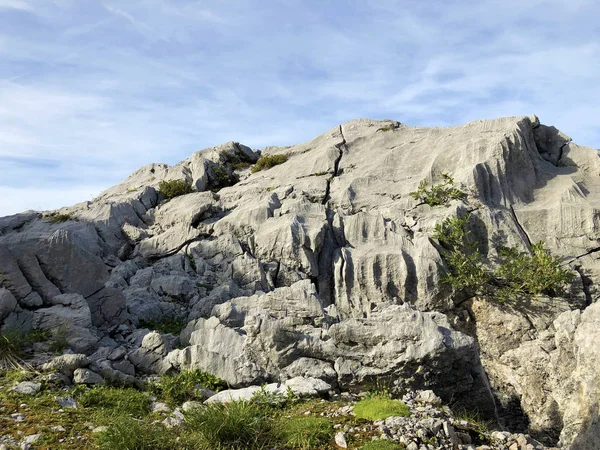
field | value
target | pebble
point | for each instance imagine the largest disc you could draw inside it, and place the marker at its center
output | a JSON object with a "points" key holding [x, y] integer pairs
{"points": [[340, 440]]}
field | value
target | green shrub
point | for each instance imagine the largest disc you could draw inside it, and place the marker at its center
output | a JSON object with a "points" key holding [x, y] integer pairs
{"points": [[462, 256], [175, 389], [240, 165], [377, 408], [387, 128], [59, 218], [535, 273], [126, 433], [268, 161], [223, 177], [438, 194], [304, 432], [118, 401], [517, 274], [235, 425], [382, 444], [174, 188], [173, 326]]}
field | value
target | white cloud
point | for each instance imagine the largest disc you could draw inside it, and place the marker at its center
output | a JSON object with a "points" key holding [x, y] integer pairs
{"points": [[97, 89], [16, 4]]}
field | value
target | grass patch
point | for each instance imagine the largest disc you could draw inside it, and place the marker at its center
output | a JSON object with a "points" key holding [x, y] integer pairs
{"points": [[235, 425], [304, 432], [390, 127], [173, 326], [119, 401], [382, 444], [59, 218], [268, 161], [320, 174], [174, 188], [175, 389], [377, 408], [125, 433], [14, 345]]}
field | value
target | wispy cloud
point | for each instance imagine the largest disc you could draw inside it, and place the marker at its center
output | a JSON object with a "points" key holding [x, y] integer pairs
{"points": [[93, 90], [16, 4]]}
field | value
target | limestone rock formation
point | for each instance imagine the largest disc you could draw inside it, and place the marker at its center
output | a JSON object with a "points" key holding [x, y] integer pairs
{"points": [[325, 266]]}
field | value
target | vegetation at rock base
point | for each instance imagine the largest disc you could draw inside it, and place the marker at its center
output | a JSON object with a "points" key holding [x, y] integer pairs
{"points": [[234, 425], [382, 444], [174, 188], [376, 408], [517, 273], [268, 161], [14, 344], [438, 194], [304, 432], [182, 386]]}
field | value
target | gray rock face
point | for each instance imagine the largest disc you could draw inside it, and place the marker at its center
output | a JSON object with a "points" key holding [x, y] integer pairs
{"points": [[324, 266]]}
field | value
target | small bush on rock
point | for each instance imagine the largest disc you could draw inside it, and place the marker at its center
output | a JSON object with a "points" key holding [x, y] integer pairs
{"points": [[59, 218], [438, 194], [174, 188], [172, 326], [517, 274], [377, 408], [268, 161]]}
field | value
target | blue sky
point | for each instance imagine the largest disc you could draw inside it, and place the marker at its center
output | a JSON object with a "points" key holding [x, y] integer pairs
{"points": [[90, 90]]}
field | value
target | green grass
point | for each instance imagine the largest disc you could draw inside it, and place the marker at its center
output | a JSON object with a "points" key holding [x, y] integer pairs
{"points": [[175, 389], [235, 425], [125, 433], [304, 432], [174, 188], [120, 401], [377, 408], [15, 343], [382, 444], [387, 128], [268, 161], [173, 326], [320, 174]]}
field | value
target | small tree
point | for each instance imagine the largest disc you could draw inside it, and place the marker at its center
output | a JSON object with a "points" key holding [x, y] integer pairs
{"points": [[438, 194], [174, 188], [517, 273]]}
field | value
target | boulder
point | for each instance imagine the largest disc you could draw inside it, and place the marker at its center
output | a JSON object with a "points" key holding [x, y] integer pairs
{"points": [[86, 376]]}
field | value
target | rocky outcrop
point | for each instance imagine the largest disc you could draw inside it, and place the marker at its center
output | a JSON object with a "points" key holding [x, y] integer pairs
{"points": [[325, 266]]}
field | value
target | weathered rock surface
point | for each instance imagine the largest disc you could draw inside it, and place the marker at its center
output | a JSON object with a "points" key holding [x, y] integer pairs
{"points": [[324, 266]]}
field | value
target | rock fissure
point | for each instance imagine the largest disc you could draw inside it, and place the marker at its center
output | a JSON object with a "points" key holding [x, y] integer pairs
{"points": [[521, 229]]}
